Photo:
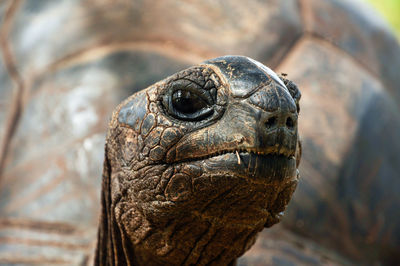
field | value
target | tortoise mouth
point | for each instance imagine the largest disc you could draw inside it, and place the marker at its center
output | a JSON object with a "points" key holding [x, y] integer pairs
{"points": [[271, 152], [254, 165]]}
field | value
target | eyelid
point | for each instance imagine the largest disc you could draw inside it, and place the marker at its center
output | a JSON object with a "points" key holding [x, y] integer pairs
{"points": [[201, 114], [187, 85]]}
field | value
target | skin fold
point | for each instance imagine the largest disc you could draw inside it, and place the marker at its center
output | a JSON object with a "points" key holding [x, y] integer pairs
{"points": [[197, 164]]}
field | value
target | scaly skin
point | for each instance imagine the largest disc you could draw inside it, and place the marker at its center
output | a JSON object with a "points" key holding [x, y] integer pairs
{"points": [[193, 180]]}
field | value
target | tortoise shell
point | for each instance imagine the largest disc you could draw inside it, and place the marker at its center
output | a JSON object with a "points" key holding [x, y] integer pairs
{"points": [[66, 64]]}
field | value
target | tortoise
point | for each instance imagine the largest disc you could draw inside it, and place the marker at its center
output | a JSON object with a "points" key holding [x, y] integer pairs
{"points": [[67, 64], [197, 164]]}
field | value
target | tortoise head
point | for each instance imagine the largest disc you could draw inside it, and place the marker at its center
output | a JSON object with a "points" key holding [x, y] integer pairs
{"points": [[197, 164]]}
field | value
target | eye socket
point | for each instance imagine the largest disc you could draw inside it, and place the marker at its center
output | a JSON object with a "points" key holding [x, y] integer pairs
{"points": [[187, 102]]}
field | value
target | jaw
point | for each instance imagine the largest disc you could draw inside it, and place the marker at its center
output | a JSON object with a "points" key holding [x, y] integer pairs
{"points": [[237, 189], [256, 167], [234, 189], [244, 189]]}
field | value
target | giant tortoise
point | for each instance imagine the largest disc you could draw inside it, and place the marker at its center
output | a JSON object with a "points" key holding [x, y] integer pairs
{"points": [[66, 65], [197, 164]]}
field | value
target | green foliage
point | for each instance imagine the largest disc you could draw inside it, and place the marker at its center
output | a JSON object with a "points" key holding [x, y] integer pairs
{"points": [[390, 9]]}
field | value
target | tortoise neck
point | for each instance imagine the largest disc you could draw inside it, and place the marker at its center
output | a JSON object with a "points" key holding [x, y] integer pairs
{"points": [[195, 243]]}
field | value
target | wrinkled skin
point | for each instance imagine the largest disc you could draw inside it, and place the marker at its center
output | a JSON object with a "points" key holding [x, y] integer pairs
{"points": [[197, 164]]}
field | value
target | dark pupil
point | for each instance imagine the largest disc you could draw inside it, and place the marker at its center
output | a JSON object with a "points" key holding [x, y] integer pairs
{"points": [[187, 102]]}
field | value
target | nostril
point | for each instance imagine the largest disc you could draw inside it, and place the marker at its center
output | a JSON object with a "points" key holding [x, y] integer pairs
{"points": [[289, 122], [271, 122]]}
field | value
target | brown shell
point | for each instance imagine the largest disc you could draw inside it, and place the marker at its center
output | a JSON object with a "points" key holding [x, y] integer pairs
{"points": [[66, 64]]}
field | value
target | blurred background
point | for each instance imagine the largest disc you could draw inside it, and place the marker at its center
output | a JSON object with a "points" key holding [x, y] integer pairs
{"points": [[66, 64], [390, 10]]}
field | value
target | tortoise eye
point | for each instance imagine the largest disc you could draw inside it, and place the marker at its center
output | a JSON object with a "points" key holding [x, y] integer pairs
{"points": [[187, 102]]}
